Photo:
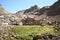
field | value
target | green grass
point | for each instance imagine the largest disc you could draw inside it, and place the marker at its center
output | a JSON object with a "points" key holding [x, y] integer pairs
{"points": [[18, 32], [25, 31], [36, 30]]}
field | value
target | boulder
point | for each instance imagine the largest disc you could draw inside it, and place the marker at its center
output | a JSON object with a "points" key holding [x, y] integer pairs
{"points": [[14, 20]]}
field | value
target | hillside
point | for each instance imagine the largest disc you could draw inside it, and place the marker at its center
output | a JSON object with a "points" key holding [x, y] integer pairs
{"points": [[46, 15], [3, 11]]}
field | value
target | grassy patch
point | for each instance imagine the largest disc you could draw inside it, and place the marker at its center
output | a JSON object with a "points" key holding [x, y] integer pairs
{"points": [[25, 31], [36, 30]]}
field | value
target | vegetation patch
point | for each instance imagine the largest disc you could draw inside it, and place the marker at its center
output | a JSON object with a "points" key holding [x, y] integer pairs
{"points": [[25, 31]]}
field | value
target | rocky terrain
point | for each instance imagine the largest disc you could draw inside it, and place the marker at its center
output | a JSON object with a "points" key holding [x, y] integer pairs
{"points": [[48, 15]]}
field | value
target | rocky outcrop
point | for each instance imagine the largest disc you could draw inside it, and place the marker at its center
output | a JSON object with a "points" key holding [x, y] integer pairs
{"points": [[44, 10], [32, 10], [54, 9], [54, 12]]}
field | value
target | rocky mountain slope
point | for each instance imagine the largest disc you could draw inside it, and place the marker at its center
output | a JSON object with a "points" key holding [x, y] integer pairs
{"points": [[3, 11], [55, 9], [45, 15], [33, 16], [3, 15]]}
